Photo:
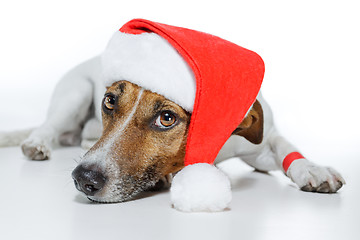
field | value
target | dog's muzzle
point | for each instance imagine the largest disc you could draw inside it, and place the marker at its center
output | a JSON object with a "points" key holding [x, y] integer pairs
{"points": [[87, 180]]}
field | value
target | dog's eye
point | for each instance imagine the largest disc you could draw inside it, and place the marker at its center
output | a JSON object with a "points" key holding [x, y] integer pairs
{"points": [[109, 102], [166, 119]]}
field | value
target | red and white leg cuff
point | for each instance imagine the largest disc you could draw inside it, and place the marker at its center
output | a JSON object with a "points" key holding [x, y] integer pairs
{"points": [[290, 158]]}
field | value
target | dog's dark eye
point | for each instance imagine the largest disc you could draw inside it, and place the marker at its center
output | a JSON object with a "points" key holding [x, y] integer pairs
{"points": [[109, 102], [165, 119]]}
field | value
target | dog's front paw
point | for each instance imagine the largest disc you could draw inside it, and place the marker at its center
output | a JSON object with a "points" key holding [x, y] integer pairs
{"points": [[35, 149], [313, 178]]}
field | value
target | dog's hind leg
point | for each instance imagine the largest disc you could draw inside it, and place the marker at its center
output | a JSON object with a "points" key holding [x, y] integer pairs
{"points": [[69, 108], [307, 175]]}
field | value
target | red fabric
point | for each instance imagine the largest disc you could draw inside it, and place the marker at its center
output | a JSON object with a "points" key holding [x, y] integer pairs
{"points": [[228, 79], [290, 158]]}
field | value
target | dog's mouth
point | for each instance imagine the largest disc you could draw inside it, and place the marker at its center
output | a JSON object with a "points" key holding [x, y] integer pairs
{"points": [[101, 201], [121, 196], [95, 201]]}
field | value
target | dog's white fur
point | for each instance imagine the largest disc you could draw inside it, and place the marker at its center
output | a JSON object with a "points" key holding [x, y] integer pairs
{"points": [[83, 87]]}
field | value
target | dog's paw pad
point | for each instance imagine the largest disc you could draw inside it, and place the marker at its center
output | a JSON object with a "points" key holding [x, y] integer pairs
{"points": [[312, 178], [35, 150]]}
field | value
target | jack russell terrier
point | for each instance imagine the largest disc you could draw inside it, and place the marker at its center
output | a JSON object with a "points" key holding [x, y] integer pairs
{"points": [[138, 137]]}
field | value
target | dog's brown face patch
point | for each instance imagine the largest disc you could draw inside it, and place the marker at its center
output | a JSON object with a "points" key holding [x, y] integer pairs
{"points": [[144, 139]]}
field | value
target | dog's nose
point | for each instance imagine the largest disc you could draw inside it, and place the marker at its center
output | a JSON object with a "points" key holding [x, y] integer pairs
{"points": [[88, 181]]}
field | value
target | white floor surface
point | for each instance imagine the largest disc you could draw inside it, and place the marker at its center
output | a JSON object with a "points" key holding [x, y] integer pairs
{"points": [[39, 201]]}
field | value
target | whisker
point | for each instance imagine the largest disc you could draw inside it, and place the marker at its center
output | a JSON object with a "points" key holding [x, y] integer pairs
{"points": [[68, 170], [68, 182], [77, 160]]}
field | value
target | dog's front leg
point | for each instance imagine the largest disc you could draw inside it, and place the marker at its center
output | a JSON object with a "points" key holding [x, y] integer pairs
{"points": [[307, 175], [68, 109]]}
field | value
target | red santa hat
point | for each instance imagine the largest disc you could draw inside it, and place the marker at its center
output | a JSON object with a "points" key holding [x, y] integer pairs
{"points": [[214, 79]]}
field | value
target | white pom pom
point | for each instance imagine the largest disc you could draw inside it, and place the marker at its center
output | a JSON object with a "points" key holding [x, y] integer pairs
{"points": [[200, 187]]}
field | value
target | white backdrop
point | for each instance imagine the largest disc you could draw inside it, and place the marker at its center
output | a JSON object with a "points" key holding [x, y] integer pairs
{"points": [[310, 48]]}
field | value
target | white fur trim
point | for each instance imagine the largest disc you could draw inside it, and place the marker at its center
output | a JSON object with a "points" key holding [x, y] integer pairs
{"points": [[149, 61], [200, 187]]}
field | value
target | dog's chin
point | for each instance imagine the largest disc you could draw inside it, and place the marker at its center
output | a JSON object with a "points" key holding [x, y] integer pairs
{"points": [[119, 197], [116, 196], [109, 200]]}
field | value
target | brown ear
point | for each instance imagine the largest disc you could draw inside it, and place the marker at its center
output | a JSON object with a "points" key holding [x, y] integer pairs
{"points": [[252, 127]]}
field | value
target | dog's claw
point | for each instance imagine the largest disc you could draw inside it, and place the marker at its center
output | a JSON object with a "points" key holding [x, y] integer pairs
{"points": [[339, 184], [324, 188], [307, 188]]}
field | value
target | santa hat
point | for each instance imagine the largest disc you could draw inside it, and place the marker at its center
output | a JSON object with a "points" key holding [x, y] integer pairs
{"points": [[214, 79]]}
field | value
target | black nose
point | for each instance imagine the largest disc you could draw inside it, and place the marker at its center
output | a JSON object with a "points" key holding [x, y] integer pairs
{"points": [[88, 181]]}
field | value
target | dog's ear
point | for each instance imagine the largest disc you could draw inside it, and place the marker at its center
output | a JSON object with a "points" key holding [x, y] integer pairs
{"points": [[252, 127]]}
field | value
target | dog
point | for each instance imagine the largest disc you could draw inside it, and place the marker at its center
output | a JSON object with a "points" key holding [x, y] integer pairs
{"points": [[133, 153], [136, 138]]}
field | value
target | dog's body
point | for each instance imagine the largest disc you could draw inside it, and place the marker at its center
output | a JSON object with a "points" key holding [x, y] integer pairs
{"points": [[130, 156]]}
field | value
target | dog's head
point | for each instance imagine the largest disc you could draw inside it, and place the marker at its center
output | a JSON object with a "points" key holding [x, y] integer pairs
{"points": [[144, 139]]}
